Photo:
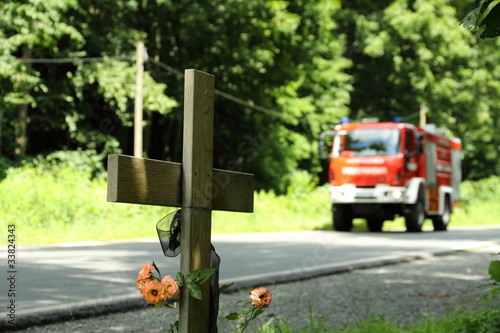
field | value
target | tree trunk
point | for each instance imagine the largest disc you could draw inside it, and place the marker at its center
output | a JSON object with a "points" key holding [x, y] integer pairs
{"points": [[22, 140], [1, 122]]}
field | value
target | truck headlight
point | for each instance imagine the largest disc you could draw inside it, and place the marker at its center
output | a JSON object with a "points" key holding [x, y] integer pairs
{"points": [[397, 194]]}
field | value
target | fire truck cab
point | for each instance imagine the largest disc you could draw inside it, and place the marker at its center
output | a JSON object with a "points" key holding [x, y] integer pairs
{"points": [[379, 170]]}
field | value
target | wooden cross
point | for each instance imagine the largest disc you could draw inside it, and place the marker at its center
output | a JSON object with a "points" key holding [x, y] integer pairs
{"points": [[193, 185]]}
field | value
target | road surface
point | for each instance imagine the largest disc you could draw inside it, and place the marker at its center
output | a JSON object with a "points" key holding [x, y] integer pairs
{"points": [[65, 277]]}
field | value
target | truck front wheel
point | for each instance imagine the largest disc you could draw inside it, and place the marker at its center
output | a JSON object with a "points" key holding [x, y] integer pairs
{"points": [[440, 222], [415, 217], [342, 218]]}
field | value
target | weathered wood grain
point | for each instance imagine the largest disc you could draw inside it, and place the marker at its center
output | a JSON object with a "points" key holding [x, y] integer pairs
{"points": [[152, 182]]}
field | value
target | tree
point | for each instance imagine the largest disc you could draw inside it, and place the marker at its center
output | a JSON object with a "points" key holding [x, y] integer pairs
{"points": [[77, 87], [281, 56], [408, 53], [26, 30]]}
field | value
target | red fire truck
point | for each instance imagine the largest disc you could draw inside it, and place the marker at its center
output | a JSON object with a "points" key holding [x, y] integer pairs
{"points": [[379, 170]]}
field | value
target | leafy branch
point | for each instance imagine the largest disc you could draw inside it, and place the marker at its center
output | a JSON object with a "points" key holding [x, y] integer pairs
{"points": [[485, 18]]}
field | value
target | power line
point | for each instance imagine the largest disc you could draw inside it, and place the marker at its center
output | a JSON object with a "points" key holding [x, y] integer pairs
{"points": [[248, 104], [70, 60], [168, 68], [179, 74], [230, 97]]}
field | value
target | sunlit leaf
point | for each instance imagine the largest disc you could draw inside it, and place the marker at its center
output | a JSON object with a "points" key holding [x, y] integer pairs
{"points": [[494, 270], [225, 287]]}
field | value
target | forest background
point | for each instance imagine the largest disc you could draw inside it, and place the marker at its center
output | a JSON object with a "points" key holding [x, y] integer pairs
{"points": [[285, 71]]}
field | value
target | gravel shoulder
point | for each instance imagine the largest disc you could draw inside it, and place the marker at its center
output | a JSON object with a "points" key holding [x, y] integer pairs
{"points": [[404, 292]]}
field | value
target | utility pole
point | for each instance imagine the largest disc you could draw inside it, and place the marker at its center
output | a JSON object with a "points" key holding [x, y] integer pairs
{"points": [[138, 100]]}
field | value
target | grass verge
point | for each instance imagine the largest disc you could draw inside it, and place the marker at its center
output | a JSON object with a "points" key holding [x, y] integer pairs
{"points": [[66, 206], [484, 320]]}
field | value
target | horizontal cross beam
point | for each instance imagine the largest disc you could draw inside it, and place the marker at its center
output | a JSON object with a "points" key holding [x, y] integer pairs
{"points": [[152, 182]]}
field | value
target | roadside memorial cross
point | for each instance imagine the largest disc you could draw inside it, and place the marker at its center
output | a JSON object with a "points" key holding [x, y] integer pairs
{"points": [[193, 185]]}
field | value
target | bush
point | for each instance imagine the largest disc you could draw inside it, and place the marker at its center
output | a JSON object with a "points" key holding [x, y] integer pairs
{"points": [[5, 164], [88, 163], [486, 189], [63, 204], [62, 198]]}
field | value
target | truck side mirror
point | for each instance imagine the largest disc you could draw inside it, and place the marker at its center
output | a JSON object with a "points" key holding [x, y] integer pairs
{"points": [[420, 144], [407, 156]]}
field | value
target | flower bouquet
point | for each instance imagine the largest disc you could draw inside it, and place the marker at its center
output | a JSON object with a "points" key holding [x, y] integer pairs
{"points": [[164, 291]]}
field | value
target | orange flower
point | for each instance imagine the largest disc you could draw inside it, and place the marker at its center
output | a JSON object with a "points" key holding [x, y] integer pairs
{"points": [[145, 275], [171, 287], [261, 297], [154, 292]]}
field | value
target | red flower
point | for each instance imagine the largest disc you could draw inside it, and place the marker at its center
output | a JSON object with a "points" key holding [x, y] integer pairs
{"points": [[261, 297], [171, 287], [154, 292], [145, 275]]}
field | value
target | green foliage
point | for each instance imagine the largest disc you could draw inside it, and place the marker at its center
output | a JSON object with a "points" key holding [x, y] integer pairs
{"points": [[485, 19], [494, 270], [38, 27], [115, 82], [474, 192], [87, 163], [66, 202], [280, 55], [66, 206], [483, 320], [65, 195], [295, 68], [409, 53], [5, 164], [193, 280]]}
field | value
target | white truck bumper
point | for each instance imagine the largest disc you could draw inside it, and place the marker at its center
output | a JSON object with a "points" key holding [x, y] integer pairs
{"points": [[382, 194]]}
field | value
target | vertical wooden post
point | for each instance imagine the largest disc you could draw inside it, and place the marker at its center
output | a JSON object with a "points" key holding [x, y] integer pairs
{"points": [[197, 194], [138, 100], [191, 186]]}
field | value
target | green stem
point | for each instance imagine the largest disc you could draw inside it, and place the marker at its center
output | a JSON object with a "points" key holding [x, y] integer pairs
{"points": [[247, 321]]}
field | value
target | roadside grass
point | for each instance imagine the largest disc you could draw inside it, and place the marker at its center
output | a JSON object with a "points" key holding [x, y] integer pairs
{"points": [[63, 205], [66, 206], [484, 320]]}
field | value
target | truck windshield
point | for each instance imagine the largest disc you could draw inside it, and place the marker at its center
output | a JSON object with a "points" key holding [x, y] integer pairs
{"points": [[366, 142]]}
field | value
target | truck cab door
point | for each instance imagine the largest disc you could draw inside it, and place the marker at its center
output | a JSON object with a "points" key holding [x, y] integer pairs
{"points": [[411, 155]]}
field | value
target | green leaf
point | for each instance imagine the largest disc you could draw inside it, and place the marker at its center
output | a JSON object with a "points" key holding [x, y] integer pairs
{"points": [[233, 316], [157, 270], [174, 328], [204, 274], [180, 278], [225, 287], [491, 21], [192, 276], [195, 291], [257, 313], [494, 270], [244, 304], [199, 275]]}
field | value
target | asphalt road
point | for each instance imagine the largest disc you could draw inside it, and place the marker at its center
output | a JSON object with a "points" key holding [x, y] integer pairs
{"points": [[64, 277]]}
